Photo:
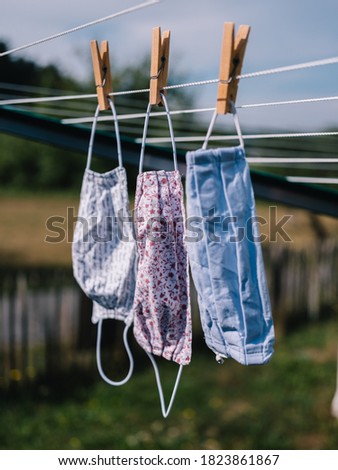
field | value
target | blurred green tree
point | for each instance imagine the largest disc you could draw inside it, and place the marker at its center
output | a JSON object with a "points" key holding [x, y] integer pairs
{"points": [[26, 165]]}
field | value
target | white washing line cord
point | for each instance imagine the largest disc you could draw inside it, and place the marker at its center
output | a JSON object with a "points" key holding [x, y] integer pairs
{"points": [[281, 103], [47, 99], [126, 117], [163, 140], [290, 68], [295, 160], [78, 28], [310, 180], [123, 117]]}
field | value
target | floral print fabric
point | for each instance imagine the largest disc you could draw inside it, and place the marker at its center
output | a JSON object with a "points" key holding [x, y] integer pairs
{"points": [[162, 317]]}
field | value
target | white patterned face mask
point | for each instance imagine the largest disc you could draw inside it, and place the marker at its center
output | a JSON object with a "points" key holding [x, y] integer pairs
{"points": [[104, 248]]}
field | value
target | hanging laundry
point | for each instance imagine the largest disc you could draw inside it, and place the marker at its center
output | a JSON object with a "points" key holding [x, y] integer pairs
{"points": [[226, 261], [162, 312], [104, 249], [162, 316]]}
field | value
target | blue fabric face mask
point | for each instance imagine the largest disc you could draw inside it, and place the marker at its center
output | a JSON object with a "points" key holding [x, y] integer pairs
{"points": [[226, 260]]}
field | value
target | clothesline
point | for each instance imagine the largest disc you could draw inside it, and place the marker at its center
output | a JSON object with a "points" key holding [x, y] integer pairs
{"points": [[163, 140], [78, 28], [289, 68], [197, 110], [123, 117], [160, 140], [131, 116], [278, 160], [308, 179]]}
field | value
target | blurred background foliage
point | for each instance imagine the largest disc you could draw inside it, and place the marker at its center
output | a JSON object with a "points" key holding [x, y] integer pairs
{"points": [[31, 166]]}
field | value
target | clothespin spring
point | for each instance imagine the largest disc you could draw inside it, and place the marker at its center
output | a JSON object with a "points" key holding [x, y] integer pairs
{"points": [[233, 73], [104, 70], [155, 77]]}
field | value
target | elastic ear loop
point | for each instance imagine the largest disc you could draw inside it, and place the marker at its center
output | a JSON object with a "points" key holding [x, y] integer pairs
{"points": [[165, 412], [98, 356], [145, 130], [237, 125], [212, 124], [92, 135]]}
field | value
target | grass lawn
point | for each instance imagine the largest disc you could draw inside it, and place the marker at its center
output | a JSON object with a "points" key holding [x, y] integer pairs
{"points": [[282, 405], [23, 229]]}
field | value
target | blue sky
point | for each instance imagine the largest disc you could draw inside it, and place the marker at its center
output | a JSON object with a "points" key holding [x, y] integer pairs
{"points": [[283, 33]]}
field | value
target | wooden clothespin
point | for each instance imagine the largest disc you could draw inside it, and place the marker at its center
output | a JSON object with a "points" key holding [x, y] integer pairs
{"points": [[102, 73], [232, 57], [159, 64]]}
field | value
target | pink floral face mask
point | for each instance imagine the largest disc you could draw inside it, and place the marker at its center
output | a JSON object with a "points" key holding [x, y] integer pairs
{"points": [[161, 305], [162, 317]]}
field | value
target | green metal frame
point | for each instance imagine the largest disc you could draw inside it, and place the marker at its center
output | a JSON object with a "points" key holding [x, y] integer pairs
{"points": [[266, 186]]}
